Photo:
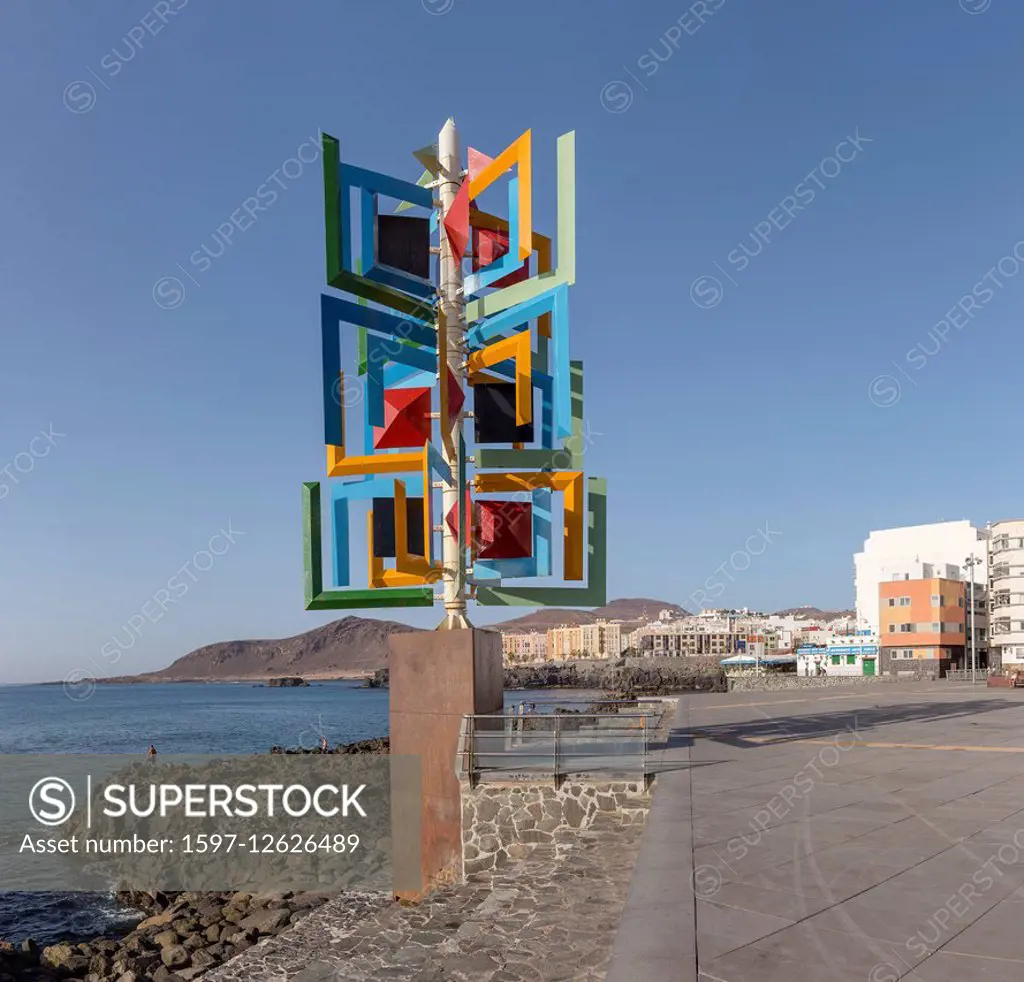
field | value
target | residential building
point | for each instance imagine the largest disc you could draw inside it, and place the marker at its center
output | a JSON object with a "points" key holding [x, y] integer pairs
{"points": [[600, 640], [923, 626], [524, 648], [1006, 593], [915, 552], [717, 633]]}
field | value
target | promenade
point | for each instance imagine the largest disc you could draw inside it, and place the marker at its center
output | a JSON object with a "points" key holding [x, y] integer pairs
{"points": [[864, 834], [842, 835]]}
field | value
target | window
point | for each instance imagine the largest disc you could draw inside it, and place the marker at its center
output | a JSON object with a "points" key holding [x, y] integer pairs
{"points": [[892, 628], [959, 601], [936, 600], [835, 659], [906, 628], [892, 601], [851, 659], [904, 601]]}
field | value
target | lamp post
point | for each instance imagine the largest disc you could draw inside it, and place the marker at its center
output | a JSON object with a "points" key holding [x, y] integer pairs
{"points": [[969, 565]]}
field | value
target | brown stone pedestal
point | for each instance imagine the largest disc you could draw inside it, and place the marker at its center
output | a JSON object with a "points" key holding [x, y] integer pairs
{"points": [[436, 678]]}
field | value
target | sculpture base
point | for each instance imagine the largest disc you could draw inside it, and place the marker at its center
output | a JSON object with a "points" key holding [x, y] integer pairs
{"points": [[436, 678]]}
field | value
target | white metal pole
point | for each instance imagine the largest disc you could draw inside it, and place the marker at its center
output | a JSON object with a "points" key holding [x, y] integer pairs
{"points": [[452, 304]]}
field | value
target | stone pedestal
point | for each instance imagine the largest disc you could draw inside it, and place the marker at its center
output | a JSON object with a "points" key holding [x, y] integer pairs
{"points": [[435, 679]]}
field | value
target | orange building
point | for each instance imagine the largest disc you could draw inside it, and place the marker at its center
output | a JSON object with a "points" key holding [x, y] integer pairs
{"points": [[922, 626]]}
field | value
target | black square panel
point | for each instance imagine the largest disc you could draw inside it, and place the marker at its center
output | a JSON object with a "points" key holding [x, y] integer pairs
{"points": [[404, 243], [384, 527], [494, 412]]}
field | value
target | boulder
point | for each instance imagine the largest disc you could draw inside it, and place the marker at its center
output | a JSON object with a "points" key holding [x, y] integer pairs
{"points": [[161, 920], [166, 939], [267, 921], [175, 956], [58, 955]]}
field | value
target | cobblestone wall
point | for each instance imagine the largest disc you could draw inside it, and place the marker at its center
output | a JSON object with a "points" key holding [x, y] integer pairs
{"points": [[504, 822], [773, 682]]}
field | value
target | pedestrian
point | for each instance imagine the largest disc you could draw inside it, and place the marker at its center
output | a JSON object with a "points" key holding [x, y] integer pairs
{"points": [[151, 752]]}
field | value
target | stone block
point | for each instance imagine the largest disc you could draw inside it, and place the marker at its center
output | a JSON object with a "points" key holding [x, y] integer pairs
{"points": [[436, 678]]}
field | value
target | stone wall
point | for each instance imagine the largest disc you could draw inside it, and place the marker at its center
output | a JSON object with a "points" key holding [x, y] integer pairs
{"points": [[774, 682], [504, 822]]}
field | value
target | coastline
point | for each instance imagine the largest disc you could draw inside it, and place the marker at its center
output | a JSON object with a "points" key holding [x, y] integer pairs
{"points": [[342, 676]]}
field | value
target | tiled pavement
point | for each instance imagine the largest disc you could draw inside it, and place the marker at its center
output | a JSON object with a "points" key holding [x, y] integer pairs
{"points": [[867, 835]]}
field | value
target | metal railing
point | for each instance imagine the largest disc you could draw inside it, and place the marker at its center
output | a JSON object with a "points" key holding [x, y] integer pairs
{"points": [[498, 747], [964, 675]]}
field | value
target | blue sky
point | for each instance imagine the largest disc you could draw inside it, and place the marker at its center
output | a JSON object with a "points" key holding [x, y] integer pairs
{"points": [[772, 319]]}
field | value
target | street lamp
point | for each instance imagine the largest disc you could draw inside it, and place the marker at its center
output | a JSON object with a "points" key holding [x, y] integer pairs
{"points": [[969, 565]]}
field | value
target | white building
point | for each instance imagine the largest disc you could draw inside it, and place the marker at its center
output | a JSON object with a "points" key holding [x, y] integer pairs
{"points": [[914, 552], [1006, 594], [852, 655]]}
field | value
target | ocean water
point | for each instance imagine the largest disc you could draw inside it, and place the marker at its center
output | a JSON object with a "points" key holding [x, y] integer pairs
{"points": [[176, 718]]}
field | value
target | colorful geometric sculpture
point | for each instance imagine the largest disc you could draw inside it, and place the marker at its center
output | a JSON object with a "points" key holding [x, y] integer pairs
{"points": [[434, 295]]}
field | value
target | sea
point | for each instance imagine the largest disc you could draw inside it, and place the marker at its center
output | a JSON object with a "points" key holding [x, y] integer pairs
{"points": [[177, 718]]}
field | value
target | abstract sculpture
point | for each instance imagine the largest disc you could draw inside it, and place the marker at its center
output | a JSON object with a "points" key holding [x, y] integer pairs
{"points": [[455, 313]]}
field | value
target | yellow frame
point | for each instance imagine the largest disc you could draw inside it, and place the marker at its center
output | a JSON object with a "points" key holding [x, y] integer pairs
{"points": [[518, 153], [517, 346]]}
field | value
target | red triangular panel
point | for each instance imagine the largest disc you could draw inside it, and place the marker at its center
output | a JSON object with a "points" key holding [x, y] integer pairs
{"points": [[452, 518], [477, 162], [456, 222], [456, 397]]}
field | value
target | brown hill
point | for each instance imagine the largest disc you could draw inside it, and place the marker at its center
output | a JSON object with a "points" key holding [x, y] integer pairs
{"points": [[632, 609], [815, 613], [352, 644]]}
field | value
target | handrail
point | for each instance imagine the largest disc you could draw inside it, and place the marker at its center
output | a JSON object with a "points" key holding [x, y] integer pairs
{"points": [[526, 748]]}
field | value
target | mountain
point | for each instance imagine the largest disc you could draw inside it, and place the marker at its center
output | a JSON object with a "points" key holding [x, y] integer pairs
{"points": [[352, 644], [634, 610], [814, 613]]}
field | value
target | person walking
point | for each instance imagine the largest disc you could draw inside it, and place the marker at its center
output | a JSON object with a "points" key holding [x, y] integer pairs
{"points": [[151, 752]]}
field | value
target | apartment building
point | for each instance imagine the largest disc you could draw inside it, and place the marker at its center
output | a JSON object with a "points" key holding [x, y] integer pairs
{"points": [[600, 640], [923, 626], [524, 648], [1006, 593], [717, 636], [914, 552]]}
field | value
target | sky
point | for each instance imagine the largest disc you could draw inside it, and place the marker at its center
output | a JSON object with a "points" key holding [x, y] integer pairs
{"points": [[796, 278]]}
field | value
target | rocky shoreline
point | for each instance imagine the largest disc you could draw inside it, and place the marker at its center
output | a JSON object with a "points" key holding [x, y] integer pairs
{"points": [[619, 679], [183, 935]]}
